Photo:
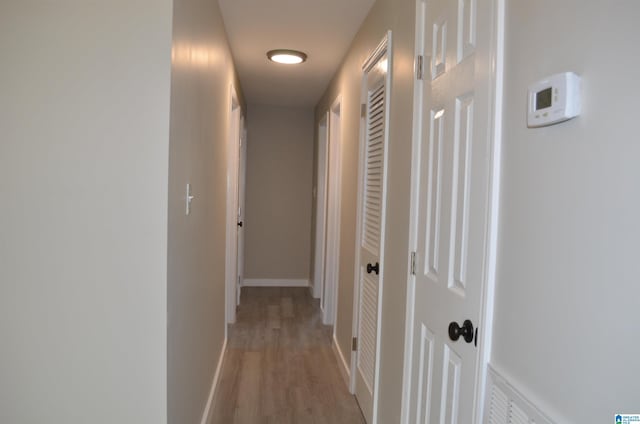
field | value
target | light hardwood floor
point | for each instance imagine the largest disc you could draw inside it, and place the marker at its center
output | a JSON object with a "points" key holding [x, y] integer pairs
{"points": [[279, 366]]}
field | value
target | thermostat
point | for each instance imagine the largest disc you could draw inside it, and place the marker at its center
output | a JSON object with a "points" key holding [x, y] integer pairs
{"points": [[553, 99]]}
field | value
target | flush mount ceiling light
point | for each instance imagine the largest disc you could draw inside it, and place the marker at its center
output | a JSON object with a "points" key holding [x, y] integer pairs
{"points": [[288, 57]]}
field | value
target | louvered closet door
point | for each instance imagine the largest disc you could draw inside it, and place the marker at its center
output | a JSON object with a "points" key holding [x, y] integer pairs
{"points": [[371, 233]]}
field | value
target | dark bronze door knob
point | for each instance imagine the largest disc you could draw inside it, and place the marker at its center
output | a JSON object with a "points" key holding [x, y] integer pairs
{"points": [[371, 268], [466, 331]]}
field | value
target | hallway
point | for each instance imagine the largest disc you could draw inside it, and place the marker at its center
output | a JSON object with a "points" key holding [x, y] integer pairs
{"points": [[455, 182], [279, 366]]}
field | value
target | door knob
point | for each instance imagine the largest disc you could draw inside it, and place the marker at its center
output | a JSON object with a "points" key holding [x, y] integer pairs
{"points": [[371, 268], [466, 331], [240, 224]]}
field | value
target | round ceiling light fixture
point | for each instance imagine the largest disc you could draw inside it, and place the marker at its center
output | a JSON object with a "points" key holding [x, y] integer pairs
{"points": [[288, 57]]}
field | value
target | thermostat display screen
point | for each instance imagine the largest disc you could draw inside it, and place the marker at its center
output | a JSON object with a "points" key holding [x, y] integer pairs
{"points": [[553, 99], [543, 99]]}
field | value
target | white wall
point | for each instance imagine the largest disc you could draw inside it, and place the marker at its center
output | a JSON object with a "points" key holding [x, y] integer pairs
{"points": [[566, 320], [84, 139], [278, 192], [397, 15]]}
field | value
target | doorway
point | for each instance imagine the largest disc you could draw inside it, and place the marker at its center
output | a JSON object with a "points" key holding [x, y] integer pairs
{"points": [[321, 210], [332, 244], [234, 235], [242, 185], [370, 233]]}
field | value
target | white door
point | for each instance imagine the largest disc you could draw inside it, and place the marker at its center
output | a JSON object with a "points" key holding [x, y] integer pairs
{"points": [[242, 174], [371, 232], [231, 251], [452, 199]]}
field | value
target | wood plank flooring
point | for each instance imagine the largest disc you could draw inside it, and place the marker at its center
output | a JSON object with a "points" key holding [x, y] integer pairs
{"points": [[279, 367]]}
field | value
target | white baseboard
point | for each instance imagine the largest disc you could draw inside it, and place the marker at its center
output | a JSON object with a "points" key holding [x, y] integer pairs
{"points": [[274, 282], [345, 371], [206, 416]]}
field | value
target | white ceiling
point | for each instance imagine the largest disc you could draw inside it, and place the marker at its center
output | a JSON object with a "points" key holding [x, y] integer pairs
{"points": [[321, 28]]}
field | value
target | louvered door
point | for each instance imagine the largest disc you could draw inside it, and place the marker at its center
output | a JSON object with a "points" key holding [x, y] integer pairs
{"points": [[374, 122]]}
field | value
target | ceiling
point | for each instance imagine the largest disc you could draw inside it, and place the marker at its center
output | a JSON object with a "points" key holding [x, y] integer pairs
{"points": [[321, 28]]}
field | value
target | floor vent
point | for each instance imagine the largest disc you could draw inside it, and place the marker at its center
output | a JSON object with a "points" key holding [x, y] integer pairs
{"points": [[505, 405]]}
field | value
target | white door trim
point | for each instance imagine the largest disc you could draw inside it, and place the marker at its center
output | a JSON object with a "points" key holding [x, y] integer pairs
{"points": [[418, 84], [321, 207], [231, 251], [356, 272], [486, 323], [383, 47], [332, 257], [240, 210], [488, 295]]}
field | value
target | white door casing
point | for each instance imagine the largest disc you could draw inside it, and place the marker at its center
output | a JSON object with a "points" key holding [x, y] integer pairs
{"points": [[321, 210], [242, 180], [371, 225], [454, 208], [332, 243]]}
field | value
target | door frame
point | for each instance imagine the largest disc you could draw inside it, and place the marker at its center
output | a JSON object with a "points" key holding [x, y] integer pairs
{"points": [[231, 247], [334, 200], [321, 209], [490, 260], [384, 47], [240, 211]]}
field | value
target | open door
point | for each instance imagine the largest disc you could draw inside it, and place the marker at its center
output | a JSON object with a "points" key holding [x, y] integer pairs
{"points": [[371, 219], [231, 251], [242, 178]]}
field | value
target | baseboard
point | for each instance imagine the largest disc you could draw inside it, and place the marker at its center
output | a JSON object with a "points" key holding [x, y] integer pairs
{"points": [[208, 409], [345, 371], [274, 282]]}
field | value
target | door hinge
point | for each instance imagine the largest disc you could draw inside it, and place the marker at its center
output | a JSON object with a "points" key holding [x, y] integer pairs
{"points": [[354, 344], [413, 263], [419, 67], [363, 110]]}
